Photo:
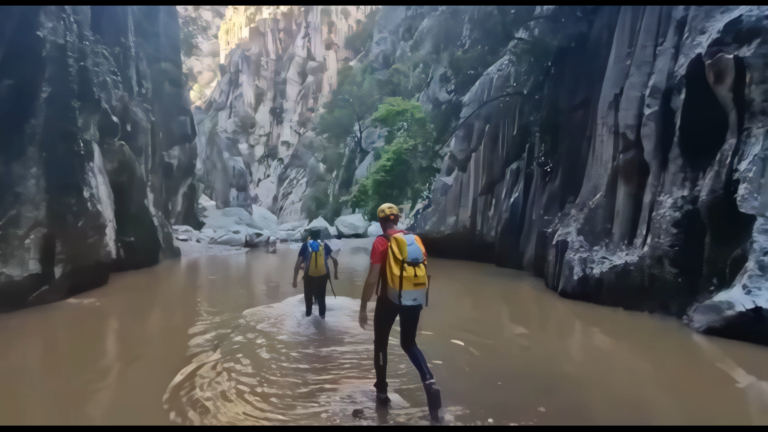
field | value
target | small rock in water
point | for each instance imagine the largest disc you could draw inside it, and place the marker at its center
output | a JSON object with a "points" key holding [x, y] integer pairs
{"points": [[357, 413], [541, 409], [182, 238], [490, 420]]}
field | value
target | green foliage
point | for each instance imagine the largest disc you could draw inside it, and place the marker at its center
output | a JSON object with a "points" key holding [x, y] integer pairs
{"points": [[407, 166], [360, 40]]}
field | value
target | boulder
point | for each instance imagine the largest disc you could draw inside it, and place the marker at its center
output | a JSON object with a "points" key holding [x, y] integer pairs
{"points": [[353, 225], [182, 238], [264, 220], [228, 219], [178, 229], [374, 229], [229, 239], [293, 226], [287, 235], [323, 226], [255, 238], [206, 203]]}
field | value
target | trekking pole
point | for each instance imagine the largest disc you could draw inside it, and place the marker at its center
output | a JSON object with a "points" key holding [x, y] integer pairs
{"points": [[332, 290]]}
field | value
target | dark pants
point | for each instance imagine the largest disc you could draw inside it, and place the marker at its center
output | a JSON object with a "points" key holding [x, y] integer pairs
{"points": [[383, 319], [315, 286]]}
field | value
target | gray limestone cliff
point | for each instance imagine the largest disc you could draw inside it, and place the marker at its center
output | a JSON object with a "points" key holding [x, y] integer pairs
{"points": [[97, 159], [626, 166]]}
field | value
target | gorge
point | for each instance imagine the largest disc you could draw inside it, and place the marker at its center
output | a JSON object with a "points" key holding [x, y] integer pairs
{"points": [[617, 152]]}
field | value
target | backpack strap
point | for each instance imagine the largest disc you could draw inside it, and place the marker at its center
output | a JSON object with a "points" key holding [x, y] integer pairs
{"points": [[382, 271]]}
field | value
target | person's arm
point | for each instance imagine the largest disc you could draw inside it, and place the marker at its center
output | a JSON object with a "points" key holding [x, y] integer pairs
{"points": [[368, 288], [296, 269], [335, 267]]}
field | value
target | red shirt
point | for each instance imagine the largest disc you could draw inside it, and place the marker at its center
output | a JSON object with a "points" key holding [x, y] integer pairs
{"points": [[379, 249]]}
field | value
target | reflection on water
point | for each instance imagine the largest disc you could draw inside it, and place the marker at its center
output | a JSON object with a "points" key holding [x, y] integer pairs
{"points": [[278, 366], [223, 340]]}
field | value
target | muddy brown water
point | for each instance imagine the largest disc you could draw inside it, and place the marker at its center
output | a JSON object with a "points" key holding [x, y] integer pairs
{"points": [[223, 340]]}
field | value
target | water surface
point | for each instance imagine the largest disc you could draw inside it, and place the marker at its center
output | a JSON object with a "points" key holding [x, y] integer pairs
{"points": [[224, 340]]}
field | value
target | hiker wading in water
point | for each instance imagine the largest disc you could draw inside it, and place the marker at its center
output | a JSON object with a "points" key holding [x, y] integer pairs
{"points": [[398, 273], [314, 255]]}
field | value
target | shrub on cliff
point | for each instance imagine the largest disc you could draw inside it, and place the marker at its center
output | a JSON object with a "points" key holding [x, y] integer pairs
{"points": [[406, 166]]}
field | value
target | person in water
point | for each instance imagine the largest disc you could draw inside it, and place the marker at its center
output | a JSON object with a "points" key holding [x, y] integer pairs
{"points": [[314, 257], [389, 305]]}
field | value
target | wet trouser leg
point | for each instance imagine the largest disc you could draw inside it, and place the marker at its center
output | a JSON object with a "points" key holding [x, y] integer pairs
{"points": [[321, 286], [383, 319], [409, 321], [309, 286]]}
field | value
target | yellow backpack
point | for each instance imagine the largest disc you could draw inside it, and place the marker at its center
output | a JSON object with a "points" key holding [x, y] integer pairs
{"points": [[316, 262], [405, 271]]}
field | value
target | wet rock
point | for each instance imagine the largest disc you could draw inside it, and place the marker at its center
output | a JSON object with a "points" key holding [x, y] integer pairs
{"points": [[323, 226], [352, 226], [358, 413], [228, 218], [182, 238], [230, 239], [107, 170], [374, 229], [264, 220]]}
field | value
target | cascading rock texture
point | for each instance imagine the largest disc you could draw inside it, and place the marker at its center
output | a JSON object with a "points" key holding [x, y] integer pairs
{"points": [[97, 158], [626, 166]]}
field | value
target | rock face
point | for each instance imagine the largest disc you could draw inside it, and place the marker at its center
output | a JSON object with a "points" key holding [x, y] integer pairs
{"points": [[352, 226], [97, 159], [627, 166], [255, 122]]}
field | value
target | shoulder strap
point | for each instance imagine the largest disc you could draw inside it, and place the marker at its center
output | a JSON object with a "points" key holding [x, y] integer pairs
{"points": [[383, 270]]}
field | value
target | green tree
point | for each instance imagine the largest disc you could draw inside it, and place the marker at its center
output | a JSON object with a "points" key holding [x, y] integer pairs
{"points": [[407, 164], [352, 103]]}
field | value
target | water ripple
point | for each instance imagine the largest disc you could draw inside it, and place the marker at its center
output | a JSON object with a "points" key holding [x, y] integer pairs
{"points": [[273, 365]]}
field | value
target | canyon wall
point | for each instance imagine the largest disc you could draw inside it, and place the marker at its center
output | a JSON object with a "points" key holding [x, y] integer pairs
{"points": [[626, 166], [615, 151], [97, 158]]}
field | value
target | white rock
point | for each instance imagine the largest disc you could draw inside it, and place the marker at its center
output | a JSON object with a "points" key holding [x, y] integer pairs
{"points": [[177, 229], [293, 226], [325, 229], [265, 220], [230, 239], [182, 238], [287, 235], [352, 225], [256, 238], [375, 229], [228, 219], [207, 231], [207, 202]]}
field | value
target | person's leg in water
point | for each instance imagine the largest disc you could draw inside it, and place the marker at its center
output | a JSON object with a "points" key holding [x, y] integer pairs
{"points": [[383, 318], [309, 286], [409, 322], [320, 289]]}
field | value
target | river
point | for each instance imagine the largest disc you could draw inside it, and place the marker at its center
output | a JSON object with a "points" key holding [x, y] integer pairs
{"points": [[224, 340]]}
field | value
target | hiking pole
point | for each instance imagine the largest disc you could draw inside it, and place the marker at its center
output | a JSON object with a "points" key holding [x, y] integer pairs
{"points": [[332, 290]]}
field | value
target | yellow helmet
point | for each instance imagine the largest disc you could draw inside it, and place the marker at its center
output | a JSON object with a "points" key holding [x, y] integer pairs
{"points": [[387, 210]]}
